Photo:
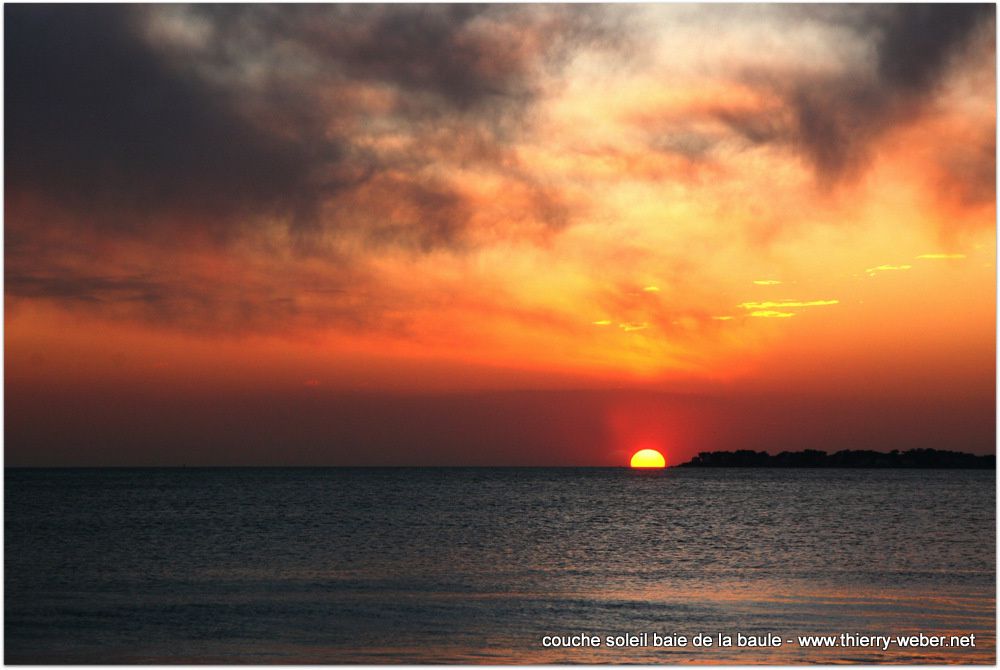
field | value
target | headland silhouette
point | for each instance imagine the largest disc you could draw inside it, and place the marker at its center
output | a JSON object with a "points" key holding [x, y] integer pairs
{"points": [[846, 458]]}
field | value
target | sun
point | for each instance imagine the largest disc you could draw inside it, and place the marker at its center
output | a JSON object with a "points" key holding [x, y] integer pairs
{"points": [[647, 458]]}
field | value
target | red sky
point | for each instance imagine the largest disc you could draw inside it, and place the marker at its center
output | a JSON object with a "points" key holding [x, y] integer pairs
{"points": [[511, 235]]}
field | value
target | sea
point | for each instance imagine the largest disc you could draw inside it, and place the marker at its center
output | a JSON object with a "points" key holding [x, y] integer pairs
{"points": [[498, 566]]}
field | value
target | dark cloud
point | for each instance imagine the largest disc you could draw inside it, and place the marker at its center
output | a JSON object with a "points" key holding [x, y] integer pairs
{"points": [[84, 288], [425, 215], [269, 116], [833, 118], [687, 143], [970, 171], [201, 304], [97, 122], [215, 298], [428, 49], [917, 40]]}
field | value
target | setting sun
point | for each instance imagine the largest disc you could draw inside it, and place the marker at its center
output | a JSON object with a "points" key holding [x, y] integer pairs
{"points": [[647, 458]]}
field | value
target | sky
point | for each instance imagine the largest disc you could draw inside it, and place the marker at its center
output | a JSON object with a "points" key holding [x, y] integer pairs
{"points": [[496, 234]]}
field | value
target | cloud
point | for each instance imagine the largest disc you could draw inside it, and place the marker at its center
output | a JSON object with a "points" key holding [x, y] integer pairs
{"points": [[465, 55], [204, 300], [832, 117], [215, 165], [630, 326], [968, 167], [916, 41], [887, 268], [176, 164], [99, 123], [940, 256], [787, 303], [224, 120]]}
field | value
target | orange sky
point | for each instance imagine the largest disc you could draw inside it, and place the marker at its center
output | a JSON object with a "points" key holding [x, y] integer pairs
{"points": [[308, 235]]}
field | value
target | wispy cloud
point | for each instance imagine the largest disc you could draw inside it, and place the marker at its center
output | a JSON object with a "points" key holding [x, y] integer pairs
{"points": [[771, 304], [887, 268]]}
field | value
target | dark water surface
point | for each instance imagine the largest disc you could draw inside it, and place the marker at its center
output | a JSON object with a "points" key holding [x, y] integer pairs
{"points": [[476, 565]]}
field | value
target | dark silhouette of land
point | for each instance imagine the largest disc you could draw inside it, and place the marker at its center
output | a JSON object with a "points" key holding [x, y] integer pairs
{"points": [[848, 458]]}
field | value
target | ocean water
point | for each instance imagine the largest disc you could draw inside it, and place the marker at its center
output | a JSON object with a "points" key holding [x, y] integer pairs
{"points": [[416, 565]]}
